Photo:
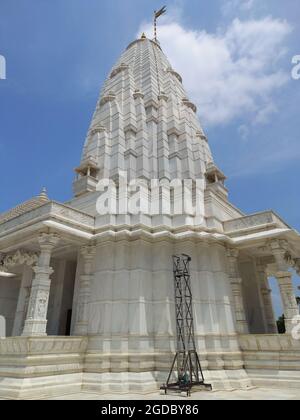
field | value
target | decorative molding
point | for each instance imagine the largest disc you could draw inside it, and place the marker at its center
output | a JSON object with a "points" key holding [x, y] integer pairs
{"points": [[110, 97], [20, 258], [175, 155], [202, 136], [130, 128], [163, 97], [174, 131], [174, 73], [190, 105], [97, 130], [130, 152], [138, 94], [119, 69]]}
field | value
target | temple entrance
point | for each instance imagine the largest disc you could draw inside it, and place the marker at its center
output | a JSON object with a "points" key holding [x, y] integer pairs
{"points": [[61, 297]]}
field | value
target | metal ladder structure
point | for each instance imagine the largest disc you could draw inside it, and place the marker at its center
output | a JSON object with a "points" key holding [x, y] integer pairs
{"points": [[186, 367]]}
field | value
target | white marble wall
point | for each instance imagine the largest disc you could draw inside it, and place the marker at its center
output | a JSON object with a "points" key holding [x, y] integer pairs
{"points": [[132, 297]]}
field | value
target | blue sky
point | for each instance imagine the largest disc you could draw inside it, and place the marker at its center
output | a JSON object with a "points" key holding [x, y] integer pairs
{"points": [[58, 54]]}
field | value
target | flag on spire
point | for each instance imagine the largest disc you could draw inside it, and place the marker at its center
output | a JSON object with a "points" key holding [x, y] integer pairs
{"points": [[160, 12], [157, 14]]}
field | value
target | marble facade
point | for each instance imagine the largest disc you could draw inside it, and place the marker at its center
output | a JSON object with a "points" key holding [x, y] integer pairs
{"points": [[89, 299]]}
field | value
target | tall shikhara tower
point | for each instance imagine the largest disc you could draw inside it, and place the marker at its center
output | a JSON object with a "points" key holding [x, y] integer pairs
{"points": [[90, 294]]}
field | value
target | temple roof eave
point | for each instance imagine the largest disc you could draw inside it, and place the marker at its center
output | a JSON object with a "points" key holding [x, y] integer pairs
{"points": [[248, 232]]}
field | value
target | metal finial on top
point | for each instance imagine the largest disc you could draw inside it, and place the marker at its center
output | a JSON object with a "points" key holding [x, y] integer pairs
{"points": [[43, 194], [157, 14]]}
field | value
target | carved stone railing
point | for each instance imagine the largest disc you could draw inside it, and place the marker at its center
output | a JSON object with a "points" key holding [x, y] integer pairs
{"points": [[254, 221], [280, 352], [41, 346], [49, 211], [268, 343]]}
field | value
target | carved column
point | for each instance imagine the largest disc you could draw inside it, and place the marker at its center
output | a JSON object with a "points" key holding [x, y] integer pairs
{"points": [[285, 282], [266, 294], [23, 300], [36, 320], [82, 315], [237, 291]]}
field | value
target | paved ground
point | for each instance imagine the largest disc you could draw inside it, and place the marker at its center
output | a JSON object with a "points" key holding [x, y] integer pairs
{"points": [[253, 394]]}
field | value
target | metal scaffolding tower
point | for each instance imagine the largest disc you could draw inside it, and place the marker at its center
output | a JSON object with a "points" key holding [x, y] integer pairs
{"points": [[186, 367]]}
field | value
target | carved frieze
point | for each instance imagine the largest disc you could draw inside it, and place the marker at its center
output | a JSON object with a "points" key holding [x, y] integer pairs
{"points": [[19, 258]]}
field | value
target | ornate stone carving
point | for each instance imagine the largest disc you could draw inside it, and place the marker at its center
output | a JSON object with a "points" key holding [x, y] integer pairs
{"points": [[19, 258], [108, 98], [36, 322], [237, 290], [88, 254], [249, 221], [119, 69]]}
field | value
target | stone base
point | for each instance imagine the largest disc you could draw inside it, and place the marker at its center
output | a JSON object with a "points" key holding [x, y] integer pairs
{"points": [[45, 367], [40, 388], [149, 382], [40, 367], [275, 379], [272, 361]]}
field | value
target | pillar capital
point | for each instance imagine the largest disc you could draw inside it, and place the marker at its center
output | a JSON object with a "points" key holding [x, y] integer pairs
{"points": [[49, 240], [280, 250], [288, 298], [237, 290], [284, 275], [88, 251], [261, 266], [233, 253]]}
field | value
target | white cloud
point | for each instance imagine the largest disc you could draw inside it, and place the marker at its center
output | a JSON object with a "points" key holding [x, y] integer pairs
{"points": [[233, 6], [243, 132], [231, 73]]}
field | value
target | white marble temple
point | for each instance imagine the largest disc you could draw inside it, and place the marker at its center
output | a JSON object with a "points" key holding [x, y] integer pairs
{"points": [[89, 298]]}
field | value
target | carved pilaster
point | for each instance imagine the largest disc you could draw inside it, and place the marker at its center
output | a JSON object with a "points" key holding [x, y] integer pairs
{"points": [[284, 277], [288, 298], [266, 294], [279, 249], [237, 291], [36, 320], [82, 315]]}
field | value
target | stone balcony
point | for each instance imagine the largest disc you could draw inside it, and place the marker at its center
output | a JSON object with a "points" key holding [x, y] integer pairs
{"points": [[254, 223], [84, 184]]}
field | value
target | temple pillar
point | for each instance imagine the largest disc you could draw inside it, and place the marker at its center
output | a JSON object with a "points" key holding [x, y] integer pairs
{"points": [[289, 302], [285, 282], [23, 301], [237, 292], [266, 294], [36, 320], [82, 316]]}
